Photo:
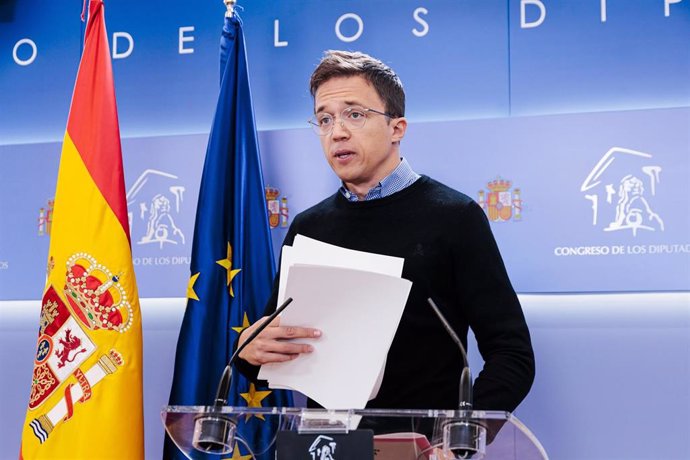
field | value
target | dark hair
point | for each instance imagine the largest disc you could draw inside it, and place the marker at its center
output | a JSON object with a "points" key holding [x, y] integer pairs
{"points": [[347, 64]]}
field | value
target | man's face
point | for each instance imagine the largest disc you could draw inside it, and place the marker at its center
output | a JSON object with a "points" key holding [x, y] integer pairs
{"points": [[359, 157]]}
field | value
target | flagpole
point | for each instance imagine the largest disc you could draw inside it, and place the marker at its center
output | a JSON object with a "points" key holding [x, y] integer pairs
{"points": [[230, 5]]}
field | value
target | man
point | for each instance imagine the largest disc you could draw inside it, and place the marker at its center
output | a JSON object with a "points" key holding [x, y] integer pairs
{"points": [[450, 254]]}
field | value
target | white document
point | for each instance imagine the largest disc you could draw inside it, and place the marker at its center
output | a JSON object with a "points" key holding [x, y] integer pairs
{"points": [[306, 250], [358, 313]]}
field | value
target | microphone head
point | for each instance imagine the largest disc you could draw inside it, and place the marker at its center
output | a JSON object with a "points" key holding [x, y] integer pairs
{"points": [[214, 434], [464, 439]]}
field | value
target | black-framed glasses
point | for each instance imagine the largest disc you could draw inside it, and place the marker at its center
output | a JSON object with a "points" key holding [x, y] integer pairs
{"points": [[353, 117]]}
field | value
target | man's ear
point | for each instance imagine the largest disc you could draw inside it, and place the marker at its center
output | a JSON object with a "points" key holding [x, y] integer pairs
{"points": [[399, 126]]}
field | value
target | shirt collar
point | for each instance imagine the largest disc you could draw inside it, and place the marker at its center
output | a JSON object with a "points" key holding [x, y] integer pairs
{"points": [[401, 177]]}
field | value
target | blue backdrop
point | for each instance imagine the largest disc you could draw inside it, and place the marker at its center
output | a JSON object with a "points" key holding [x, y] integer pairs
{"points": [[512, 103], [573, 118]]}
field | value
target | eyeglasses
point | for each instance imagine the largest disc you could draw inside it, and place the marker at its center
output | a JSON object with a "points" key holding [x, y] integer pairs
{"points": [[352, 117]]}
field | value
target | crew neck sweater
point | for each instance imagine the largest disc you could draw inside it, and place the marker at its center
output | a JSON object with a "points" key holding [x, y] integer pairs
{"points": [[451, 256]]}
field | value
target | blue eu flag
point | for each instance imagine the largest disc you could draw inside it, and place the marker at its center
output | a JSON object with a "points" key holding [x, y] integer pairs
{"points": [[232, 265]]}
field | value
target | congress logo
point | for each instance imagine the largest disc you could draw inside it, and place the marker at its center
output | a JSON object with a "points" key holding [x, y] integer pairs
{"points": [[323, 448], [500, 202], [622, 188], [154, 202]]}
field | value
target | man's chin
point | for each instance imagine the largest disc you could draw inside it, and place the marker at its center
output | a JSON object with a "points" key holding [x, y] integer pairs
{"points": [[345, 173]]}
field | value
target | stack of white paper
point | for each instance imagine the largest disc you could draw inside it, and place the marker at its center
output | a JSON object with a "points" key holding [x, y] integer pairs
{"points": [[356, 299]]}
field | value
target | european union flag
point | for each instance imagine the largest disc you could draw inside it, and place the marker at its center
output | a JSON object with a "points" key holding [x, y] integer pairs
{"points": [[232, 265]]}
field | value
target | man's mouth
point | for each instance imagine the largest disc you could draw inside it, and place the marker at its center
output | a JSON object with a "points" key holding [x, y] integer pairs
{"points": [[343, 154]]}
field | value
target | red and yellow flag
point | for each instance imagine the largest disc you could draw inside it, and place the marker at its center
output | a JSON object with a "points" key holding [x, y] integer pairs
{"points": [[86, 392]]}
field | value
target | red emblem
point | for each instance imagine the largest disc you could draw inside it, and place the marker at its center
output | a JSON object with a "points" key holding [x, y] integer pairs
{"points": [[96, 296], [71, 347], [62, 346]]}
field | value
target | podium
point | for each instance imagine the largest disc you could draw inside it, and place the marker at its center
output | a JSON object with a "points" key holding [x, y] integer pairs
{"points": [[300, 433]]}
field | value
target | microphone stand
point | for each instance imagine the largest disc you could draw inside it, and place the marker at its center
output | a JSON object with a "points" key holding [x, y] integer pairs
{"points": [[214, 432], [462, 436]]}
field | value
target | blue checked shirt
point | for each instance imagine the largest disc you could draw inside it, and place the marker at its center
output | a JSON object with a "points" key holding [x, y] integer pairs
{"points": [[401, 177]]}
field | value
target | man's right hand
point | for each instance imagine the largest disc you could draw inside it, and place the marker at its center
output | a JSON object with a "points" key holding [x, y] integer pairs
{"points": [[273, 344]]}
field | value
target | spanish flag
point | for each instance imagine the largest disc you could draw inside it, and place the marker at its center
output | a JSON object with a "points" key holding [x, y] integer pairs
{"points": [[86, 388]]}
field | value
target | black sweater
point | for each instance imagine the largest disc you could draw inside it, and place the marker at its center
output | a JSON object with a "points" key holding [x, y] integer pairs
{"points": [[451, 256]]}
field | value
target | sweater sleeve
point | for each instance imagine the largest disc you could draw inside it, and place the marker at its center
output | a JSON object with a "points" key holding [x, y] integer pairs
{"points": [[494, 313]]}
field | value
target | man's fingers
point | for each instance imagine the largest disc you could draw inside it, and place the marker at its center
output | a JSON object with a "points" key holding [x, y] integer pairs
{"points": [[286, 348], [275, 351], [275, 331], [290, 332], [274, 358], [275, 343]]}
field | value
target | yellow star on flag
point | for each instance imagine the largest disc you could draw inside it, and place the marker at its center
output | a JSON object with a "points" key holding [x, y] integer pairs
{"points": [[245, 324], [227, 264], [236, 454], [190, 287], [254, 398]]}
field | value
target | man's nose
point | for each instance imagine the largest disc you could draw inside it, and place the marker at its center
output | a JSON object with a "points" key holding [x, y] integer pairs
{"points": [[340, 130]]}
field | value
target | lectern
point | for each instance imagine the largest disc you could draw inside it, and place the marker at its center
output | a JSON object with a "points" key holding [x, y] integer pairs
{"points": [[365, 434]]}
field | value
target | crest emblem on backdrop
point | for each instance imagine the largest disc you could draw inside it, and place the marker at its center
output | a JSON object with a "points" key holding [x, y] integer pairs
{"points": [[500, 202], [277, 208], [45, 218]]}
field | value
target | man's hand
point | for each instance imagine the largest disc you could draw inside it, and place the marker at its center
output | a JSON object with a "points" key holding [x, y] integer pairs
{"points": [[272, 345]]}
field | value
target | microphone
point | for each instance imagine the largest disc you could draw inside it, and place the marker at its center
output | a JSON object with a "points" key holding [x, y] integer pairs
{"points": [[214, 432], [462, 437], [465, 401]]}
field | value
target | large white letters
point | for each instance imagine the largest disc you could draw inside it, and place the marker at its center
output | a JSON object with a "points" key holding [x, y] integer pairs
{"points": [[360, 27], [276, 35], [667, 6], [121, 55], [523, 7], [424, 24], [181, 49], [602, 5], [34, 51]]}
